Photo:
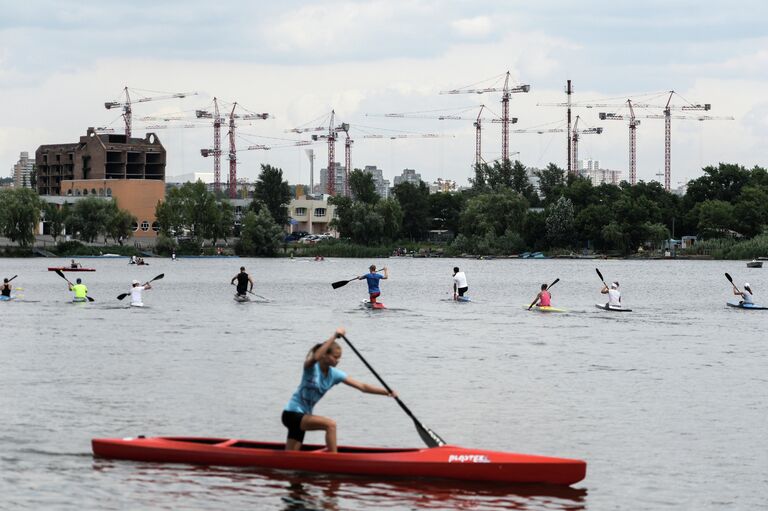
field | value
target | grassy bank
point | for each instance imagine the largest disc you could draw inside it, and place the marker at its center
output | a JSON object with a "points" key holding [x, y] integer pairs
{"points": [[730, 248]]}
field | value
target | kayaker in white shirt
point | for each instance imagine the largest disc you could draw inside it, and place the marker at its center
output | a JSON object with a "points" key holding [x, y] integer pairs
{"points": [[136, 291], [614, 295], [746, 295], [459, 283]]}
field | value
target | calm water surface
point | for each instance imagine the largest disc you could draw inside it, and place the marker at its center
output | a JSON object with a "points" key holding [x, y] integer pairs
{"points": [[668, 404]]}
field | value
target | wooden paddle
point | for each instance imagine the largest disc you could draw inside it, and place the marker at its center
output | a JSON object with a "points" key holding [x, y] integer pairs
{"points": [[429, 437], [341, 283], [58, 272], [548, 288], [123, 295]]}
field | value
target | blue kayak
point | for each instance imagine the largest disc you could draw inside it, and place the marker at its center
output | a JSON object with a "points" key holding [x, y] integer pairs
{"points": [[747, 306]]}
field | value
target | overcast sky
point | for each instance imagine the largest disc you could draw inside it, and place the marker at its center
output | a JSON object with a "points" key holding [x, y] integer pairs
{"points": [[60, 61]]}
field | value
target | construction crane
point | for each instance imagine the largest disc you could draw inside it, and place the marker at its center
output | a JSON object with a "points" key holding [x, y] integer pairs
{"points": [[128, 108], [575, 132], [667, 116], [505, 120], [332, 130], [477, 122], [216, 152]]}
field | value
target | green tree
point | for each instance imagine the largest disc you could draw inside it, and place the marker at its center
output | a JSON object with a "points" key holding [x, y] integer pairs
{"points": [[551, 182], [89, 218], [392, 215], [56, 217], [614, 237], [19, 215], [445, 210], [657, 234], [560, 223], [274, 192], [222, 221], [716, 218], [751, 210], [362, 187], [414, 201], [260, 235], [521, 184], [119, 222]]}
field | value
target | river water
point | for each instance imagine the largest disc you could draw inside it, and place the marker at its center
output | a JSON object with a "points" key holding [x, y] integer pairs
{"points": [[667, 404]]}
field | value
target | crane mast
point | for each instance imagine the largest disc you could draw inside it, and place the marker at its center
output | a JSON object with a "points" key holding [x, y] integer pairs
{"points": [[127, 106], [232, 155], [568, 92]]}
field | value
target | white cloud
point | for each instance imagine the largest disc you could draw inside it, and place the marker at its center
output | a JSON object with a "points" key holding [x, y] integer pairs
{"points": [[473, 28]]}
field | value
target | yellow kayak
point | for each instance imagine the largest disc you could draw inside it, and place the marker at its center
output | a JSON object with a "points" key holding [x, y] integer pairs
{"points": [[545, 309]]}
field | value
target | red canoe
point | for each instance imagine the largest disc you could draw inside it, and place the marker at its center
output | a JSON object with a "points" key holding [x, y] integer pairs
{"points": [[446, 462], [67, 268]]}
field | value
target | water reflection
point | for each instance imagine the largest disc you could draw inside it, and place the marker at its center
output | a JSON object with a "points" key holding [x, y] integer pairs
{"points": [[296, 491]]}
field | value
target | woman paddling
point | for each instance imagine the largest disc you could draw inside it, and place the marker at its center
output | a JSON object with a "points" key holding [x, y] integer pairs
{"points": [[614, 295], [544, 298], [746, 295], [320, 374]]}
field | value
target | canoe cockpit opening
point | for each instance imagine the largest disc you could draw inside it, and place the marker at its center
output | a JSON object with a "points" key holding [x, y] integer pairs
{"points": [[309, 448], [204, 441]]}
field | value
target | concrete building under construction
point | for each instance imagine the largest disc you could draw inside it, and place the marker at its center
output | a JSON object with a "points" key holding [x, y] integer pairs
{"points": [[129, 171]]}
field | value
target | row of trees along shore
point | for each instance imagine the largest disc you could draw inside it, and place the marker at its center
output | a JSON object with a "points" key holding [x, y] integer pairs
{"points": [[501, 214]]}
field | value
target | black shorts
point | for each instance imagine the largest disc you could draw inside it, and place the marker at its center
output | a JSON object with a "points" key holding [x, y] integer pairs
{"points": [[292, 421], [463, 290]]}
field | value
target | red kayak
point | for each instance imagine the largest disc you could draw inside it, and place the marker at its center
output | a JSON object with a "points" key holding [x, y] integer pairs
{"points": [[67, 268], [446, 462]]}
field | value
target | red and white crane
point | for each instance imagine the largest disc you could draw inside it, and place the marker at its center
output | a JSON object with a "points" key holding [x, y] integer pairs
{"points": [[505, 120], [575, 133], [667, 116], [127, 104], [330, 137]]}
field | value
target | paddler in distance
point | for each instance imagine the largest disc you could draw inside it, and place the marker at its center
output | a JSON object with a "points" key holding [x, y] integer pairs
{"points": [[746, 295], [319, 375], [373, 278], [614, 295], [459, 283], [5, 290], [80, 290], [136, 291], [73, 265], [544, 298], [242, 279]]}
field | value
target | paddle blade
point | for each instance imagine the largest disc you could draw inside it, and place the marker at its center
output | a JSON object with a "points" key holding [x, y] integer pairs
{"points": [[121, 296], [553, 283], [12, 278], [429, 437], [90, 299], [599, 274], [727, 276], [340, 283], [157, 278]]}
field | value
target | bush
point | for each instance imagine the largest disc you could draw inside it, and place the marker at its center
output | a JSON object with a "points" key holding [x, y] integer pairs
{"points": [[730, 248]]}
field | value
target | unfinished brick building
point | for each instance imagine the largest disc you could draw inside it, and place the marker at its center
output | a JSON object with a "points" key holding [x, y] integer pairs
{"points": [[99, 156]]}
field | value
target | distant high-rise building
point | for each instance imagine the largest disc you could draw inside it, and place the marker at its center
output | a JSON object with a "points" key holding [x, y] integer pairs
{"points": [[22, 171], [382, 185], [589, 164], [408, 176], [339, 179], [443, 185]]}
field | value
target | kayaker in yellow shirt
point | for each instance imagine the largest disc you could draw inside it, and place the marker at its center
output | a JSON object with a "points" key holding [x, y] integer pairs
{"points": [[80, 290]]}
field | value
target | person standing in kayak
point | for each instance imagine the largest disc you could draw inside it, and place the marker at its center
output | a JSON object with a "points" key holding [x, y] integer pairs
{"points": [[746, 295], [614, 295], [136, 291], [459, 283], [243, 279], [319, 375], [80, 290], [373, 279], [543, 297], [5, 290]]}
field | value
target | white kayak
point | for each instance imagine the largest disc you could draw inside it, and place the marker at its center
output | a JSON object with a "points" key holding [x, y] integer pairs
{"points": [[242, 298], [613, 308]]}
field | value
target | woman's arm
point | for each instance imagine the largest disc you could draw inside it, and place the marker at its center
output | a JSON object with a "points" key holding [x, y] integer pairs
{"points": [[368, 389]]}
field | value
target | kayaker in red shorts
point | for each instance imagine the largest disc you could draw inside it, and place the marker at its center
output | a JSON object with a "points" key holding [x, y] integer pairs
{"points": [[373, 279], [320, 374]]}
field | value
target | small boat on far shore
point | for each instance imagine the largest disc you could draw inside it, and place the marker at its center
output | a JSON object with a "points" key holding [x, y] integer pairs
{"points": [[754, 264]]}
